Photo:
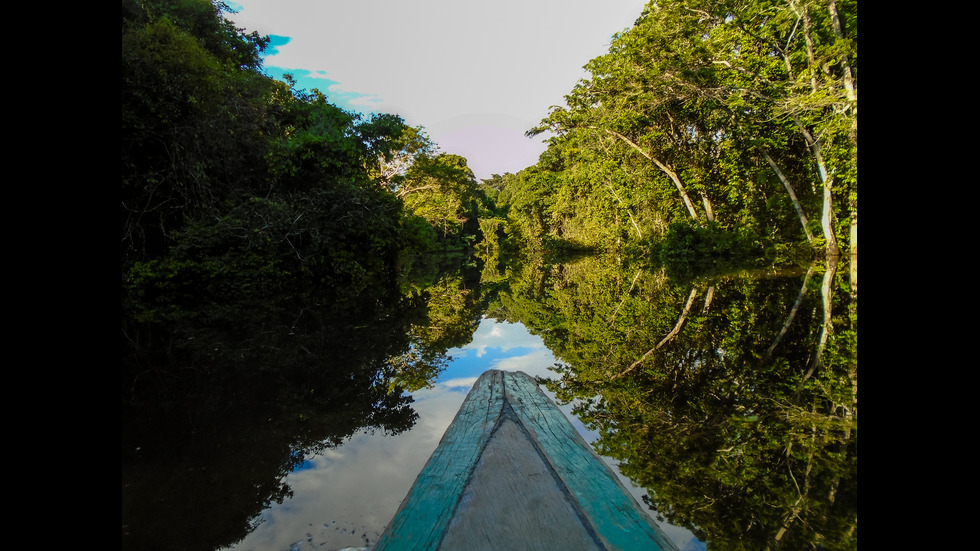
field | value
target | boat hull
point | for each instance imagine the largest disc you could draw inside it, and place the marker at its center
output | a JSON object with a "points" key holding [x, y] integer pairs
{"points": [[512, 473]]}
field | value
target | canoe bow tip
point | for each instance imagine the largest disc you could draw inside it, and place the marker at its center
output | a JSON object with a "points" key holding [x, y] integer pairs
{"points": [[601, 505]]}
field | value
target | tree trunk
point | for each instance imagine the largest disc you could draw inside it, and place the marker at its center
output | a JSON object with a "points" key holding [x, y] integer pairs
{"points": [[792, 196], [708, 211], [620, 305], [827, 327], [639, 234], [673, 333], [670, 173], [804, 16], [707, 299], [852, 365], [826, 219], [827, 294], [789, 318], [850, 89], [827, 215]]}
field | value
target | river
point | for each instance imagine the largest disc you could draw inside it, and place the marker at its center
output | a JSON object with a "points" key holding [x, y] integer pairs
{"points": [[276, 427]]}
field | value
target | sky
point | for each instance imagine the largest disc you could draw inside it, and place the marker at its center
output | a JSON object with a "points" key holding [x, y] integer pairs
{"points": [[477, 74]]}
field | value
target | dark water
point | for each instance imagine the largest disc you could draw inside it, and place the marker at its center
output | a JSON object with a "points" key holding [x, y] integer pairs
{"points": [[301, 421]]}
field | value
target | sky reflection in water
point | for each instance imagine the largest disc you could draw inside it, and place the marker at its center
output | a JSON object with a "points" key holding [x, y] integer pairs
{"points": [[345, 496]]}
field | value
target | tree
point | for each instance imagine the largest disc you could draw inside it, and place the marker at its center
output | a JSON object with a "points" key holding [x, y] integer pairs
{"points": [[394, 147], [232, 180], [717, 410], [194, 117], [634, 97], [442, 190], [727, 102], [797, 59]]}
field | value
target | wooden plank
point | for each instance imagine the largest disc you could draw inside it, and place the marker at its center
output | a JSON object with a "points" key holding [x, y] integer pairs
{"points": [[512, 473], [514, 501], [423, 516], [614, 514]]}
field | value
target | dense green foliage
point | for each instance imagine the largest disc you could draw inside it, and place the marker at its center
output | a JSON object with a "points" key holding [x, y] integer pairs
{"points": [[738, 117], [712, 129], [233, 182], [442, 190]]}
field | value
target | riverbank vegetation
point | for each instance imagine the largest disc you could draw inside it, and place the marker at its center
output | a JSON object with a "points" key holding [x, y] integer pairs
{"points": [[233, 182], [712, 131]]}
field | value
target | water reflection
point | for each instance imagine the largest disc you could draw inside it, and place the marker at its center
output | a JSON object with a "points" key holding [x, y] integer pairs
{"points": [[221, 400], [289, 423], [733, 398], [350, 492], [502, 345]]}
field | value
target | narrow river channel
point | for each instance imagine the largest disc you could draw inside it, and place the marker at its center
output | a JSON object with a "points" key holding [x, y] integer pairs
{"points": [[299, 421], [345, 496]]}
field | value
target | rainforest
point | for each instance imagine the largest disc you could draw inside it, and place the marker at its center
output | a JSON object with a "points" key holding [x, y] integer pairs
{"points": [[686, 246]]}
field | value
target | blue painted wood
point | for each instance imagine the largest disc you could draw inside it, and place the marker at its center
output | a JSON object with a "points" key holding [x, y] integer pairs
{"points": [[608, 513], [614, 513], [421, 520]]}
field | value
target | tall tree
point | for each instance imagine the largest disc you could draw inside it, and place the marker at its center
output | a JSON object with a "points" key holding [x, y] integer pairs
{"points": [[441, 189], [728, 102], [797, 59], [394, 146], [233, 180], [194, 113]]}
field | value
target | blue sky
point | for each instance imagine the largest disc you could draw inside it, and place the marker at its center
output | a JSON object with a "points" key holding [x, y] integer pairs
{"points": [[475, 74], [497, 345]]}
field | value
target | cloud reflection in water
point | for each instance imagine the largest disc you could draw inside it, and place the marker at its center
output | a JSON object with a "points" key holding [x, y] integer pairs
{"points": [[349, 493]]}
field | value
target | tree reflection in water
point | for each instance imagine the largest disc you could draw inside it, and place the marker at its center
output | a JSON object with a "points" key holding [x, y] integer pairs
{"points": [[730, 398], [221, 400]]}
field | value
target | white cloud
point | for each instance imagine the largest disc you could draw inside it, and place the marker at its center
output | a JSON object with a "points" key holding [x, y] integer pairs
{"points": [[535, 364], [476, 74], [502, 335], [462, 382]]}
